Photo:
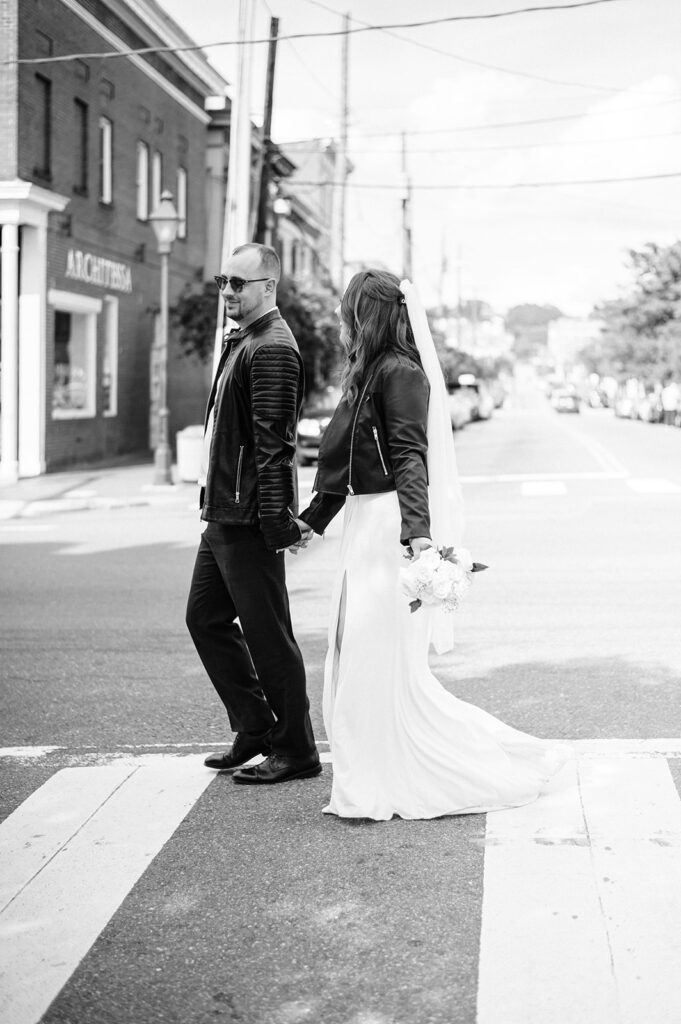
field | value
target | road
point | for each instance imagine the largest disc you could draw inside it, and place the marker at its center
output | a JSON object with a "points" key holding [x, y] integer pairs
{"points": [[140, 888]]}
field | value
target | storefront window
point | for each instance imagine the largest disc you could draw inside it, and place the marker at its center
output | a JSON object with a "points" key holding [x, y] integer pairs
{"points": [[110, 358], [75, 351], [105, 160], [182, 202], [142, 181]]}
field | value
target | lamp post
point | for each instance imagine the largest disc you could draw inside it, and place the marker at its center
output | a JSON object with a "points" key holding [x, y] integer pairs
{"points": [[164, 220]]}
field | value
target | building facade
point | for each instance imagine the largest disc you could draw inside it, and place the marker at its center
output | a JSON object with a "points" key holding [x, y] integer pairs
{"points": [[87, 145]]}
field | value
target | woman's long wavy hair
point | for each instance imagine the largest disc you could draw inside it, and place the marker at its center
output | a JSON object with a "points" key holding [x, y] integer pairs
{"points": [[375, 317]]}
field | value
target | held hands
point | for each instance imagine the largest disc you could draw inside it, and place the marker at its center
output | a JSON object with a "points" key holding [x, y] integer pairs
{"points": [[306, 533]]}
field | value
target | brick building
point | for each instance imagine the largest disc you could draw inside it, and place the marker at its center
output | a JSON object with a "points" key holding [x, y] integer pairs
{"points": [[86, 147]]}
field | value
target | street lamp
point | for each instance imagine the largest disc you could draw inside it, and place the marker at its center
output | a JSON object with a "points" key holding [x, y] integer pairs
{"points": [[165, 221]]}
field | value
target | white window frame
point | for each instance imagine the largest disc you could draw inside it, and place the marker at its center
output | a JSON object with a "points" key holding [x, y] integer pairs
{"points": [[142, 180], [106, 160], [84, 305], [156, 178], [181, 198], [110, 350]]}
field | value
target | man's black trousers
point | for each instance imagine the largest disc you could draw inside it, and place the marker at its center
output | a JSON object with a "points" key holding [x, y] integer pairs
{"points": [[256, 667]]}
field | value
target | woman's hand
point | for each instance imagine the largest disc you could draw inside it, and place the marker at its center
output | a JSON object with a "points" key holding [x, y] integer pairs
{"points": [[419, 544], [306, 533]]}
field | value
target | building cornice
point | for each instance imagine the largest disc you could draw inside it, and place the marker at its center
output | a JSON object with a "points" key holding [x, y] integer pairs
{"points": [[143, 65], [23, 202]]}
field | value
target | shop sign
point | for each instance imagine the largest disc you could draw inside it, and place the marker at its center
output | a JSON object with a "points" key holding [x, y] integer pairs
{"points": [[85, 266]]}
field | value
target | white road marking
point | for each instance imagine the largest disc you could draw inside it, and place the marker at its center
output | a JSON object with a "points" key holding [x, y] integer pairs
{"points": [[582, 899], [21, 527], [85, 839], [548, 489], [653, 486], [9, 509], [512, 478]]}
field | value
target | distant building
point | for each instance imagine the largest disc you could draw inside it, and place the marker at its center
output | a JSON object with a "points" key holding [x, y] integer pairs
{"points": [[86, 147], [567, 336], [486, 338], [309, 237]]}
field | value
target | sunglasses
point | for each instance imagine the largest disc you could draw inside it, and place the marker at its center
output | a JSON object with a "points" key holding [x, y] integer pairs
{"points": [[236, 283]]}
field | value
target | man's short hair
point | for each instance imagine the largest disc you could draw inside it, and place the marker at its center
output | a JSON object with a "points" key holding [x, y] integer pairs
{"points": [[269, 261]]}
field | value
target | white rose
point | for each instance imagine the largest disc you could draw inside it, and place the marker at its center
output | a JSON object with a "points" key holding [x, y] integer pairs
{"points": [[442, 585], [409, 583], [464, 558], [426, 564]]}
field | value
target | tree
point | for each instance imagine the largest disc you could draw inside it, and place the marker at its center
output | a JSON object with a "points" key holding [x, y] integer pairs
{"points": [[528, 323], [642, 331]]}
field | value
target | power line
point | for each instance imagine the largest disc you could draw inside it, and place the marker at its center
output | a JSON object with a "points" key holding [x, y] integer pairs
{"points": [[495, 124], [469, 60], [505, 146], [486, 187], [310, 35]]}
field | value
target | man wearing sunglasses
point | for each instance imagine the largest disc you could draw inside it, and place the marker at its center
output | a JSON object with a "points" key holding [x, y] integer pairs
{"points": [[249, 500]]}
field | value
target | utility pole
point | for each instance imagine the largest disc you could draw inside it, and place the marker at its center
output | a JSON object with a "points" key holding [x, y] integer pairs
{"points": [[406, 214], [342, 161], [237, 201], [265, 161]]}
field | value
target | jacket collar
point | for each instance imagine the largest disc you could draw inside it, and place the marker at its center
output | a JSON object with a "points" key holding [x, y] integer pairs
{"points": [[262, 321]]}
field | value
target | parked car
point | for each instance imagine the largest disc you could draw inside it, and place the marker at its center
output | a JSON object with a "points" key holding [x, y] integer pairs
{"points": [[459, 408], [314, 419], [565, 400], [470, 399]]}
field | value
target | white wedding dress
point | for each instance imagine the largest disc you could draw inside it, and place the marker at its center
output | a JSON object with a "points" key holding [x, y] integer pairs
{"points": [[400, 743]]}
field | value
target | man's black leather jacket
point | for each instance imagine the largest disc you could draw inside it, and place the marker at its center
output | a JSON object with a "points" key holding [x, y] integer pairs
{"points": [[257, 394], [378, 444]]}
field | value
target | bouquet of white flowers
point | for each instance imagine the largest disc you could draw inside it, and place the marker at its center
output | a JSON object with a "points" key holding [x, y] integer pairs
{"points": [[439, 577]]}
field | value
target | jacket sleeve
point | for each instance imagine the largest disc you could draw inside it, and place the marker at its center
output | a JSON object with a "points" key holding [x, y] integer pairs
{"points": [[322, 509], [276, 383], [405, 411]]}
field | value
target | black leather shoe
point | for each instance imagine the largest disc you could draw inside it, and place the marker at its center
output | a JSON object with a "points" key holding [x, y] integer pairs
{"points": [[279, 768], [243, 749]]}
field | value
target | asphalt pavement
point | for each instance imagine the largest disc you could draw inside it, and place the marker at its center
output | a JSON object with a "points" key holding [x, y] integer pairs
{"points": [[138, 887]]}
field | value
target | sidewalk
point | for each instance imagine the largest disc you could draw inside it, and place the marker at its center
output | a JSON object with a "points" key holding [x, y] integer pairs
{"points": [[92, 488]]}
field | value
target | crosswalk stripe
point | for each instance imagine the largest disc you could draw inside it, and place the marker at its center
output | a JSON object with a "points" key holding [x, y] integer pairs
{"points": [[582, 899], [87, 835], [653, 485], [547, 488]]}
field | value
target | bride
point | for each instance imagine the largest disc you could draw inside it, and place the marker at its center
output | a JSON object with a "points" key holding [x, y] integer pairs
{"points": [[400, 743]]}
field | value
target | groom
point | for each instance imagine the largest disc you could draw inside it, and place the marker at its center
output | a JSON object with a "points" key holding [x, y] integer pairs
{"points": [[249, 500]]}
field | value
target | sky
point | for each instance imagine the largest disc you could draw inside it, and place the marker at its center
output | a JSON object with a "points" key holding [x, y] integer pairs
{"points": [[603, 82]]}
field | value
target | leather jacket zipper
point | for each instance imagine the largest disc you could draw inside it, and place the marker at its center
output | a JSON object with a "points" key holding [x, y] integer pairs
{"points": [[238, 474], [352, 435], [374, 430]]}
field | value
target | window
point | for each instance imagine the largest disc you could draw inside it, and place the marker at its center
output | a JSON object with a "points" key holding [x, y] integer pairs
{"points": [[75, 354], [43, 167], [110, 358], [156, 179], [181, 202], [105, 160], [80, 169], [142, 181]]}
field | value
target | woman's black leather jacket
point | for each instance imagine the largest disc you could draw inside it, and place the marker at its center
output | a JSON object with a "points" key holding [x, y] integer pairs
{"points": [[378, 444]]}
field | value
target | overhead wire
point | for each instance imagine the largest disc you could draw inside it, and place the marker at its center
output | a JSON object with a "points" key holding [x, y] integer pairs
{"points": [[469, 60], [505, 146], [449, 187], [141, 51]]}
